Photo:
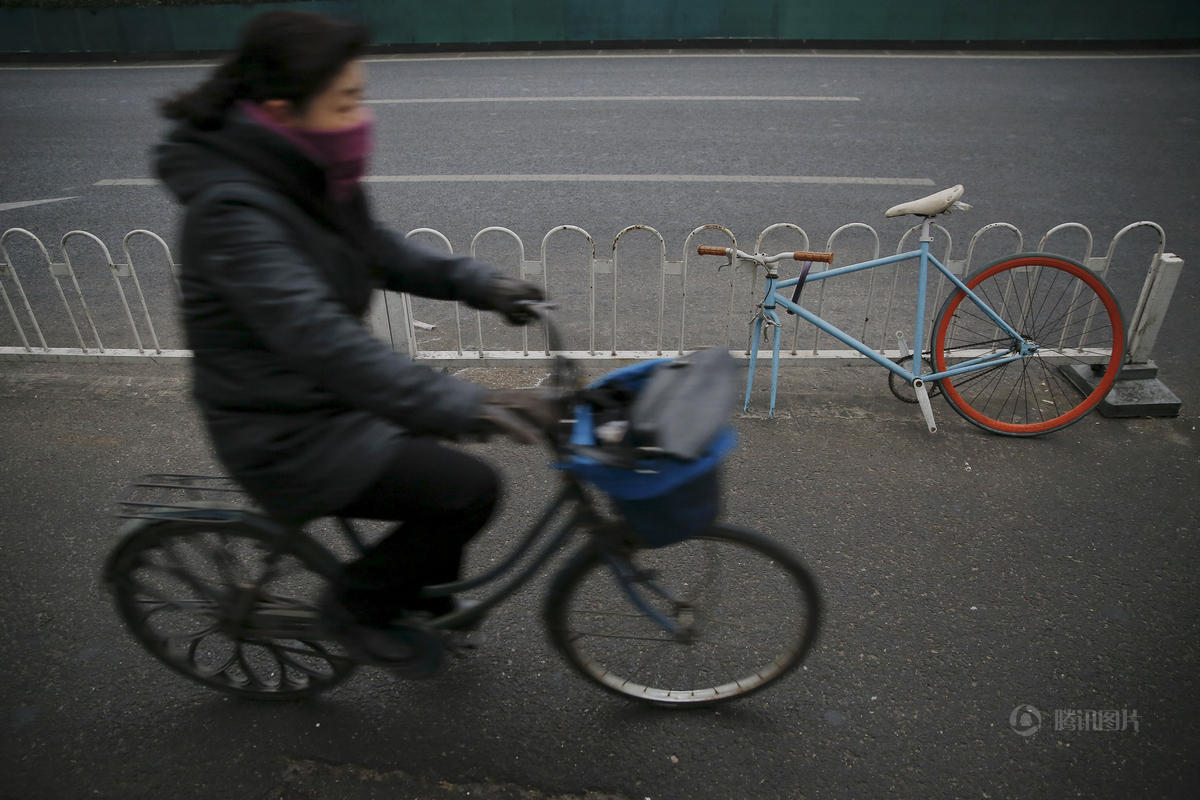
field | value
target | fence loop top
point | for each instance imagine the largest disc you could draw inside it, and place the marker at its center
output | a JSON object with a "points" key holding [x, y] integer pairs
{"points": [[855, 304], [1064, 227]]}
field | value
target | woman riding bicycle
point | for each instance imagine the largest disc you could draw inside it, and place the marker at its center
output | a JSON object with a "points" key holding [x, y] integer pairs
{"points": [[280, 256]]}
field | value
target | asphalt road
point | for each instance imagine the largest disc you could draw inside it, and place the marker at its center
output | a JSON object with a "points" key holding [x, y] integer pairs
{"points": [[1037, 141], [964, 575]]}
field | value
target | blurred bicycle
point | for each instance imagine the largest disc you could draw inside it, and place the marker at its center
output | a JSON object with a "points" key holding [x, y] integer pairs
{"points": [[660, 602]]}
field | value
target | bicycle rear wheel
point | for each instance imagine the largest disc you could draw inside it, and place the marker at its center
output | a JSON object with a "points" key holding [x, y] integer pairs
{"points": [[747, 608], [1058, 305], [205, 600]]}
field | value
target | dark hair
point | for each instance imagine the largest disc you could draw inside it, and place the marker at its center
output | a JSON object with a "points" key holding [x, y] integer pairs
{"points": [[282, 55]]}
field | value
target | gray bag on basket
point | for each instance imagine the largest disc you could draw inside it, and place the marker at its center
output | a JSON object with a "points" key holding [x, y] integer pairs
{"points": [[685, 404]]}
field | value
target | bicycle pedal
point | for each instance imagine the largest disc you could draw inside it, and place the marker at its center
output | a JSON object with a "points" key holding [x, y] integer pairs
{"points": [[462, 643], [404, 650]]}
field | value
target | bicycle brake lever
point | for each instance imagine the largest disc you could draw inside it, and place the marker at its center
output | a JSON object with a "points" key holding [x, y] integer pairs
{"points": [[538, 307]]}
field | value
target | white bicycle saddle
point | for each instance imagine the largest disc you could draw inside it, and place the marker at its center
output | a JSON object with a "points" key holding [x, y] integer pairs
{"points": [[936, 203]]}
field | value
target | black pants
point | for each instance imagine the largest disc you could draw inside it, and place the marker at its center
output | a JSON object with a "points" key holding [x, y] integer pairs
{"points": [[441, 497]]}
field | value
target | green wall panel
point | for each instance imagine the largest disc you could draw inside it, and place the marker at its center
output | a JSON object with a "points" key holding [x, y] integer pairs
{"points": [[644, 20], [463, 21], [15, 26], [145, 30], [543, 20], [196, 28], [57, 30], [97, 31], [753, 19], [445, 23]]}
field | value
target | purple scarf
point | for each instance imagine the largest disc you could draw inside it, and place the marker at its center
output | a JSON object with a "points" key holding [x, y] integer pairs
{"points": [[342, 152]]}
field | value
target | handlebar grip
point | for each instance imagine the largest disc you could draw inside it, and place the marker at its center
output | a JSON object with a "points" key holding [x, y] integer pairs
{"points": [[801, 255], [708, 250]]}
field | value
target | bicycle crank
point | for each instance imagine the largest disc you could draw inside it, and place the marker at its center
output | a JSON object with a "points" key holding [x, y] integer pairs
{"points": [[903, 390], [926, 409]]}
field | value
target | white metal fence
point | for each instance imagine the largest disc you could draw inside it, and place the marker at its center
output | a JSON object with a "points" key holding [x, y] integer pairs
{"points": [[627, 301]]}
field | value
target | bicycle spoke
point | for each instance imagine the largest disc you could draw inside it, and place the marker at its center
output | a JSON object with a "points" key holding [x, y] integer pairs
{"points": [[1050, 395], [221, 559], [286, 652], [220, 669], [199, 630], [180, 570], [160, 599], [249, 673]]}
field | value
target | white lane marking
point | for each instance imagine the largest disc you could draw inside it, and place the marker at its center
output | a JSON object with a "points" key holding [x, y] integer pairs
{"points": [[27, 203], [553, 178], [593, 178], [678, 98], [959, 54], [88, 67]]}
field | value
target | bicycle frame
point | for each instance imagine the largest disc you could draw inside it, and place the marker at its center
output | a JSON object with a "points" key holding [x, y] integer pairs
{"points": [[583, 516], [773, 298], [605, 535]]}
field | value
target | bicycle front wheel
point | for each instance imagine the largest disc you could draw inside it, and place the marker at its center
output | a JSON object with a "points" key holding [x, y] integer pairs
{"points": [[1060, 307], [746, 609], [218, 603]]}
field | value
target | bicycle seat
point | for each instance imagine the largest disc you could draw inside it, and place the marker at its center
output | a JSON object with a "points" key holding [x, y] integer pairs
{"points": [[937, 203]]}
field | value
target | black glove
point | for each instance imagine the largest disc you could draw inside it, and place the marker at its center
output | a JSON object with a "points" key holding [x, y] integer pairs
{"points": [[509, 296], [524, 415]]}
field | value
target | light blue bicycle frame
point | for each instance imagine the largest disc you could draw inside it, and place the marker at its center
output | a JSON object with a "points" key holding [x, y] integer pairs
{"points": [[1020, 347]]}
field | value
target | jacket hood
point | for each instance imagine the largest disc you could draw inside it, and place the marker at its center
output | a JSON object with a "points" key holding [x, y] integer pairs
{"points": [[192, 160]]}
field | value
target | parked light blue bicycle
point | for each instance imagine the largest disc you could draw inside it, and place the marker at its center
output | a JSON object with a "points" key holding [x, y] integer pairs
{"points": [[1026, 346]]}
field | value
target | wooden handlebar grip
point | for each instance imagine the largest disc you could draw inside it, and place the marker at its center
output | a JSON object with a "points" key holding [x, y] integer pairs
{"points": [[801, 255], [708, 250]]}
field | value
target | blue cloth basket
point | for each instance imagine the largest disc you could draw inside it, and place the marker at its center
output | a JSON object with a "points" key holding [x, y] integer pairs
{"points": [[664, 500]]}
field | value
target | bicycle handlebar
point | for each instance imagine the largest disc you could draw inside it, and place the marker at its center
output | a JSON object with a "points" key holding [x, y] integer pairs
{"points": [[804, 255], [798, 255]]}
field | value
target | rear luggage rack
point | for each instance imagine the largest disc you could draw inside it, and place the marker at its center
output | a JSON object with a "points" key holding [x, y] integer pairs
{"points": [[174, 496]]}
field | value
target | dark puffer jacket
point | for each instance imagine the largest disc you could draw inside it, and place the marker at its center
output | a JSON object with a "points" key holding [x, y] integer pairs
{"points": [[303, 403]]}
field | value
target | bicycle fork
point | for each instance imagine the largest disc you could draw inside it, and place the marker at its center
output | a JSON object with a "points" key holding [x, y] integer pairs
{"points": [[765, 316], [629, 577]]}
